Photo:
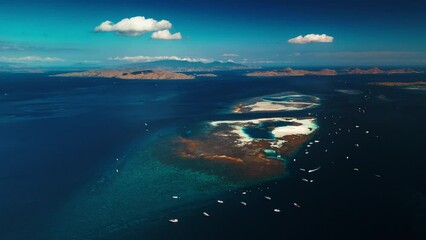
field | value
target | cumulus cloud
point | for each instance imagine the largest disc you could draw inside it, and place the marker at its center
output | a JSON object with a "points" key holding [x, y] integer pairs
{"points": [[311, 38], [31, 59], [134, 26], [158, 58], [230, 55], [166, 35]]}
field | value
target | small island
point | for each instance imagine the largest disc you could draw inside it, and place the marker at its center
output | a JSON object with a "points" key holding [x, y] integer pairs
{"points": [[206, 75], [130, 75], [248, 149], [243, 150]]}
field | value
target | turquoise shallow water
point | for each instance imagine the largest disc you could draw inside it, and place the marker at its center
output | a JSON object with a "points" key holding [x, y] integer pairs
{"points": [[139, 194]]}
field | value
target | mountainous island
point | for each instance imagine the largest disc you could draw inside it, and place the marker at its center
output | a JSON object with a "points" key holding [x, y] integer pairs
{"points": [[127, 74], [166, 69], [376, 70]]}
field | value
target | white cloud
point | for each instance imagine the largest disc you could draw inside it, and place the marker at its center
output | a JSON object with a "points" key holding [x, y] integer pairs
{"points": [[158, 58], [31, 59], [166, 35], [134, 26], [230, 55], [311, 38]]}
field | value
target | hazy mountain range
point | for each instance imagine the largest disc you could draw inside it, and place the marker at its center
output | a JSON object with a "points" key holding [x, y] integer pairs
{"points": [[186, 66], [164, 65]]}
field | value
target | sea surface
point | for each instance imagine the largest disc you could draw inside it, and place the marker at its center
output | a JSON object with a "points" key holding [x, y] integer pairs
{"points": [[81, 158]]}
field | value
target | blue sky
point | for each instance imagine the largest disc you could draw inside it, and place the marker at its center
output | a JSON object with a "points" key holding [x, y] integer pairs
{"points": [[253, 32]]}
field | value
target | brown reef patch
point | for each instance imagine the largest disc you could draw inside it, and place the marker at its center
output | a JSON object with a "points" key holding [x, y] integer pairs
{"points": [[217, 151]]}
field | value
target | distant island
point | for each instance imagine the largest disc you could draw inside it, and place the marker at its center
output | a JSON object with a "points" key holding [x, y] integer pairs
{"points": [[328, 72], [127, 74], [206, 75], [376, 70], [398, 84], [291, 72], [165, 69]]}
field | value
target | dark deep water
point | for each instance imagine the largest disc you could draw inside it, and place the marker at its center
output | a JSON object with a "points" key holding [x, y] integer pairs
{"points": [[60, 138]]}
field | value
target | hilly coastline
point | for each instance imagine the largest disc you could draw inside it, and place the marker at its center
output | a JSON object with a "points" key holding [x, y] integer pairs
{"points": [[129, 75]]}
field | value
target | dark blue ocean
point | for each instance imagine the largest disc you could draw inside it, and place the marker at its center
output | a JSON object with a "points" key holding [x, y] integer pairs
{"points": [[79, 160]]}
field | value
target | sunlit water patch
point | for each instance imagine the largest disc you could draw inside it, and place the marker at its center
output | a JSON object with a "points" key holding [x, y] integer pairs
{"points": [[135, 193]]}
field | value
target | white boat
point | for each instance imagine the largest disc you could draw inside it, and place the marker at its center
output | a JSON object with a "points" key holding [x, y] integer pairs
{"points": [[174, 220], [269, 198], [313, 170], [206, 214], [220, 201], [277, 210], [296, 205], [244, 203]]}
